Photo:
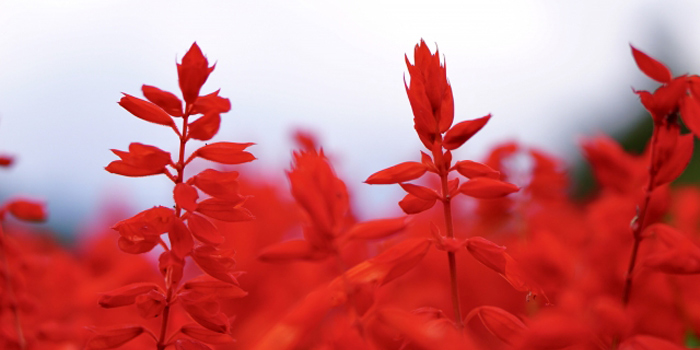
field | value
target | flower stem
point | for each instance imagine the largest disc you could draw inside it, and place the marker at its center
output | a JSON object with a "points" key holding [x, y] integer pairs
{"points": [[451, 260]]}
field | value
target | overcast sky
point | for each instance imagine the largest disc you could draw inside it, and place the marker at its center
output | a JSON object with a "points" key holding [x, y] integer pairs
{"points": [[549, 72]]}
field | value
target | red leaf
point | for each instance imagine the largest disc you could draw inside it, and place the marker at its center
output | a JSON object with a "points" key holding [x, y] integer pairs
{"points": [[204, 230], [226, 152], [402, 172], [151, 304], [296, 249], [411, 204], [471, 169], [219, 184], [193, 73], [651, 67], [205, 335], [463, 131], [141, 160], [376, 228], [224, 210], [145, 110], [180, 239], [205, 127], [114, 337], [421, 192], [27, 210], [501, 323], [189, 344], [211, 103], [126, 295], [165, 100], [215, 263], [484, 187], [185, 196]]}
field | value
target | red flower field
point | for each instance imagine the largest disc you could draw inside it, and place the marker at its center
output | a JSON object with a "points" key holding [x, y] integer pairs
{"points": [[490, 254]]}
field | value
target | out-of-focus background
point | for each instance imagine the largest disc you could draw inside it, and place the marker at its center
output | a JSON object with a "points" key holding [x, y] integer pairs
{"points": [[550, 72]]}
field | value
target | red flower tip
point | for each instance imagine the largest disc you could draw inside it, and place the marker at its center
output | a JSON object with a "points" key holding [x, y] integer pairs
{"points": [[193, 73], [651, 67]]}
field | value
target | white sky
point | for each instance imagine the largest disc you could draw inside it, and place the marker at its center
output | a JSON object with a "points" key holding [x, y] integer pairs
{"points": [[549, 72]]}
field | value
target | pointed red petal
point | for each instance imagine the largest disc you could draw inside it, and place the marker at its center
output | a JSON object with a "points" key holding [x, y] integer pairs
{"points": [[484, 187], [376, 228], [224, 210], [205, 127], [165, 100], [421, 192], [126, 295], [690, 112], [114, 337], [211, 103], [185, 196], [219, 184], [27, 210], [402, 172], [651, 67], [193, 73], [471, 169], [411, 204], [296, 249], [204, 230], [145, 110], [226, 152], [463, 131], [205, 335], [679, 159], [180, 239], [501, 323], [151, 304]]}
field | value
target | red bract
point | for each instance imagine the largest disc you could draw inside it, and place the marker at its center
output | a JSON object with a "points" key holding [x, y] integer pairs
{"points": [[141, 160], [193, 73]]}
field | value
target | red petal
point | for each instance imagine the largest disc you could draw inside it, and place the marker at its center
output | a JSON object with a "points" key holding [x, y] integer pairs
{"points": [[205, 335], [113, 338], [141, 160], [651, 67], [473, 169], [204, 230], [205, 127], [390, 264], [292, 250], [219, 184], [145, 110], [648, 342], [496, 258], [151, 304], [189, 344], [180, 239], [208, 285], [447, 110], [376, 228], [193, 73], [185, 196], [126, 295], [411, 204], [484, 187], [6, 161], [224, 210], [402, 172], [165, 100], [679, 159], [421, 192], [27, 210], [690, 112], [136, 246], [501, 323], [215, 263], [171, 267], [463, 131], [211, 103], [679, 256], [226, 152]]}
